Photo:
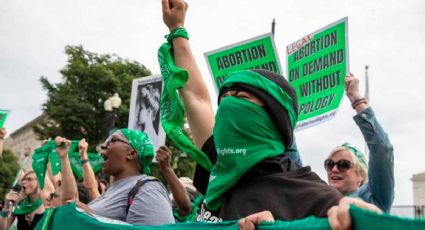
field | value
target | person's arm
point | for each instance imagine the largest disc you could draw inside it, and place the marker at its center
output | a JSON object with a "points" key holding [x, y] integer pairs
{"points": [[163, 156], [380, 187], [194, 94], [69, 185], [89, 179], [2, 135]]}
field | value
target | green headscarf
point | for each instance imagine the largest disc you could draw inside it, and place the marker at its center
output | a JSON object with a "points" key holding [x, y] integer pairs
{"points": [[359, 155], [142, 143], [254, 79], [244, 135], [26, 206]]}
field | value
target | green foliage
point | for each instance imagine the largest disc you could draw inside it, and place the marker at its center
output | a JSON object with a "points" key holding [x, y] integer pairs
{"points": [[75, 105], [8, 169]]}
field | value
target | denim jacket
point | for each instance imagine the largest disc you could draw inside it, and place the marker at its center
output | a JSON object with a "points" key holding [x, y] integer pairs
{"points": [[379, 190]]}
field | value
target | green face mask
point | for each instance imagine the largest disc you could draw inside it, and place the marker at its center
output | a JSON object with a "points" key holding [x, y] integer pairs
{"points": [[244, 135]]}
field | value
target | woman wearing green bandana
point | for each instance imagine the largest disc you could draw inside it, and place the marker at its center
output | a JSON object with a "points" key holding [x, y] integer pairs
{"points": [[29, 205], [346, 166], [127, 154], [248, 140]]}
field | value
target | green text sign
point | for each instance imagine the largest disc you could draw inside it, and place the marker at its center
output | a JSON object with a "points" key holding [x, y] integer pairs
{"points": [[317, 65], [254, 53]]}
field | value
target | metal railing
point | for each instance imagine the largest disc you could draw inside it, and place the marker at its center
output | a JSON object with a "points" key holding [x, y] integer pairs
{"points": [[412, 211]]}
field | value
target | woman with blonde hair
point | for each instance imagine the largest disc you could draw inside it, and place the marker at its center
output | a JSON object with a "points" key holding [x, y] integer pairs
{"points": [[28, 202]]}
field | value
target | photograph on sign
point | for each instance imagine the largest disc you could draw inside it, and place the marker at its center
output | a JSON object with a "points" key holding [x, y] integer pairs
{"points": [[255, 53], [316, 67], [144, 112]]}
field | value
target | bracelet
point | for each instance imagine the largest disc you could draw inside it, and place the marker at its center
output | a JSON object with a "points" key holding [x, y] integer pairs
{"points": [[176, 33], [84, 161], [358, 102]]}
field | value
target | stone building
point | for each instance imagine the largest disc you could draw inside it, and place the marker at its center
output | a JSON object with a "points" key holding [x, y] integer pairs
{"points": [[23, 141]]}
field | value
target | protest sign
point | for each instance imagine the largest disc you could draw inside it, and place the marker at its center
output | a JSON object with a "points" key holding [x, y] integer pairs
{"points": [[145, 108], [317, 65], [255, 53]]}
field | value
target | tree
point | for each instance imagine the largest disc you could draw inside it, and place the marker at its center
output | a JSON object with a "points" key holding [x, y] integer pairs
{"points": [[8, 169], [75, 105]]}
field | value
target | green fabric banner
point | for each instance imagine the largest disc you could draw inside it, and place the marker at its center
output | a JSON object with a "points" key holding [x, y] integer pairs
{"points": [[48, 151], [255, 53], [68, 217], [3, 116], [317, 65], [95, 160]]}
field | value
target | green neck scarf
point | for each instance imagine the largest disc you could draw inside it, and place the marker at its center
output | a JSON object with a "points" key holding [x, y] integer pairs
{"points": [[141, 142], [244, 135], [172, 110], [26, 206]]}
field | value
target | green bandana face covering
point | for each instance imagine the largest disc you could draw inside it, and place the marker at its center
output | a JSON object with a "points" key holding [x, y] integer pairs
{"points": [[140, 142], [244, 135]]}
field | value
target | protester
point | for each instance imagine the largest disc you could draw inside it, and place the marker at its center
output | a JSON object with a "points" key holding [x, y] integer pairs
{"points": [[351, 175], [185, 198], [127, 155], [29, 205], [2, 135], [253, 127]]}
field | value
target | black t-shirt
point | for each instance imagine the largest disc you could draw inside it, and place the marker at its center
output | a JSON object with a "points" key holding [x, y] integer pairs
{"points": [[274, 184], [23, 224]]}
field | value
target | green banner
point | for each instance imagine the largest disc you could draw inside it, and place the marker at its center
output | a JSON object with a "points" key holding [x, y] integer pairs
{"points": [[317, 66], [254, 53], [3, 116], [68, 217]]}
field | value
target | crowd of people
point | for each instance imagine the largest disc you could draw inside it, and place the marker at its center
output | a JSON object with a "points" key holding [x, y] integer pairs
{"points": [[257, 173]]}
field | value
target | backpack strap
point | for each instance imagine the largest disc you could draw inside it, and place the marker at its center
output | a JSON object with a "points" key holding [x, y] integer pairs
{"points": [[134, 191]]}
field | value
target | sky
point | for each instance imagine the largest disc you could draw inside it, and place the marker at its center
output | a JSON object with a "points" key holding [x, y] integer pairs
{"points": [[389, 36]]}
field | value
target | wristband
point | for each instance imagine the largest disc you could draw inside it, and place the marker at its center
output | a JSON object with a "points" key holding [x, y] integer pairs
{"points": [[178, 32], [358, 102], [84, 161]]}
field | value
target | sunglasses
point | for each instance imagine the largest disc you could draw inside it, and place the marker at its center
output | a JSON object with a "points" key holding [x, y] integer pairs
{"points": [[341, 165], [112, 140]]}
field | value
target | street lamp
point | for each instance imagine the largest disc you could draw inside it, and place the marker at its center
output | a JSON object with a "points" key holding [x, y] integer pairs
{"points": [[111, 106]]}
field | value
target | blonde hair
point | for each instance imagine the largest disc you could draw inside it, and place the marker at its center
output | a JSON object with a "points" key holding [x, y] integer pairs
{"points": [[361, 170]]}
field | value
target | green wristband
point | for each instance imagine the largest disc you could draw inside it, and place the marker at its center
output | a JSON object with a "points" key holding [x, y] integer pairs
{"points": [[176, 33]]}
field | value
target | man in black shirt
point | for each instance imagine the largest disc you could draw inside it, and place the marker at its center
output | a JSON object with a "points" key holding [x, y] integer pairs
{"points": [[248, 141]]}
